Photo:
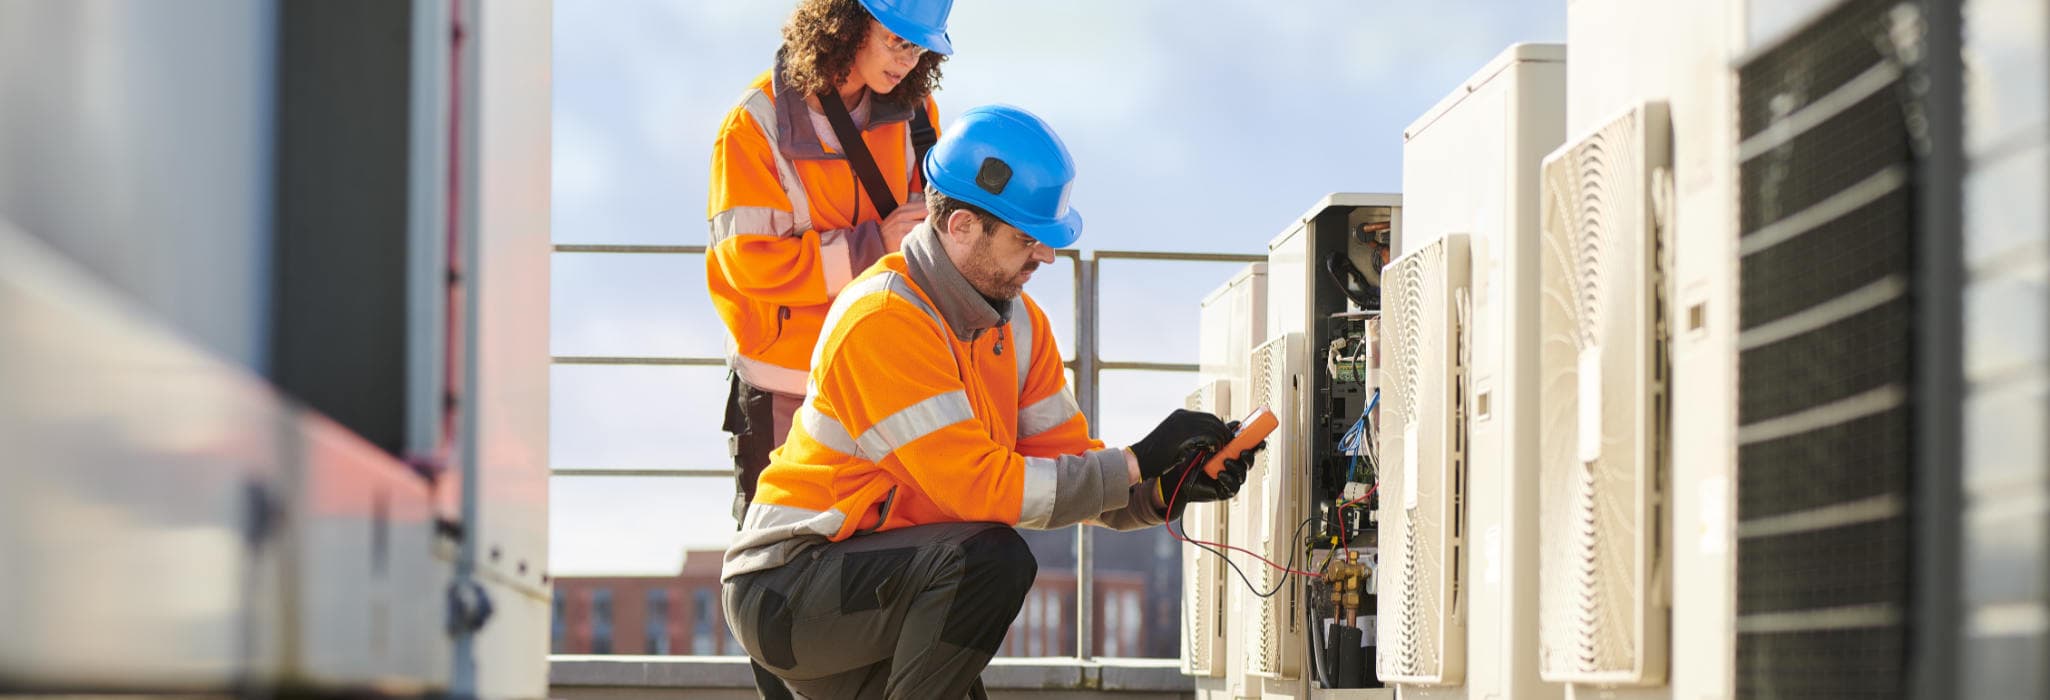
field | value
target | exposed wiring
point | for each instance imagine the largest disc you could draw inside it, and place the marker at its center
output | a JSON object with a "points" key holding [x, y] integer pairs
{"points": [[1359, 440], [1364, 496], [1255, 590], [1214, 547], [1343, 539]]}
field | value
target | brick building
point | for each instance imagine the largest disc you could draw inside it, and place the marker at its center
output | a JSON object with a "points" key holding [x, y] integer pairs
{"points": [[680, 614]]}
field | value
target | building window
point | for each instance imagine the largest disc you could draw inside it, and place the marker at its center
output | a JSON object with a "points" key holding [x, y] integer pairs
{"points": [[1113, 641], [1128, 623], [1037, 611], [1015, 639], [601, 621], [558, 630], [1057, 622], [657, 622], [702, 641]]}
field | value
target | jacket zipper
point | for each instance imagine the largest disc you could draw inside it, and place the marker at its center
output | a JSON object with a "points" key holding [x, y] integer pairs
{"points": [[882, 512]]}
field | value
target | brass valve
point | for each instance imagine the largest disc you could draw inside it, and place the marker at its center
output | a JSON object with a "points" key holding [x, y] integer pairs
{"points": [[1346, 577]]}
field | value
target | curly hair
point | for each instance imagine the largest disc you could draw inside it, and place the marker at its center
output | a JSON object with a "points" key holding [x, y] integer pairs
{"points": [[819, 44]]}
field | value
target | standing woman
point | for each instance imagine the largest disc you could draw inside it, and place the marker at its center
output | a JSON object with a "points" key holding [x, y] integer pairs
{"points": [[810, 177]]}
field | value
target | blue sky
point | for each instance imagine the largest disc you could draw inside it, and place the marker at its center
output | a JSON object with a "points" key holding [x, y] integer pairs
{"points": [[1196, 125]]}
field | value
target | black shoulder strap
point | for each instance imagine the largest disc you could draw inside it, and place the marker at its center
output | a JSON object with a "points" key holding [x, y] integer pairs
{"points": [[857, 154], [922, 138]]}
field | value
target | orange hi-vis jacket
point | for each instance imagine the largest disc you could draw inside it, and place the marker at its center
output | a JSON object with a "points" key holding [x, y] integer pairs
{"points": [[790, 225], [930, 405]]}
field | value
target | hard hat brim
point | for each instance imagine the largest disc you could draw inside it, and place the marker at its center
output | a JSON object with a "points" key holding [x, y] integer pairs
{"points": [[1059, 233]]}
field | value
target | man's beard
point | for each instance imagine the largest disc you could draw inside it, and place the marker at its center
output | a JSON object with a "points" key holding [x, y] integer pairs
{"points": [[989, 280]]}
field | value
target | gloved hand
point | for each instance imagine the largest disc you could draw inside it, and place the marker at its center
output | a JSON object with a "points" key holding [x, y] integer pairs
{"points": [[1183, 432], [1178, 492]]}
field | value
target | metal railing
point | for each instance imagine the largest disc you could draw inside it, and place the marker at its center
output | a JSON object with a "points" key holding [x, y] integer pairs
{"points": [[1087, 366]]}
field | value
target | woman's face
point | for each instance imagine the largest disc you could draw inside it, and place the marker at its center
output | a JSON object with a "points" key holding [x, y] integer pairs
{"points": [[884, 59]]}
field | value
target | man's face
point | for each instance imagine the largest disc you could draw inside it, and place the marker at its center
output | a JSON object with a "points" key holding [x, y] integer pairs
{"points": [[1001, 259]]}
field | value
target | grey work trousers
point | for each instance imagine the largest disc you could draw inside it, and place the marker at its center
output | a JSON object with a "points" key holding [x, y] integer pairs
{"points": [[909, 613]]}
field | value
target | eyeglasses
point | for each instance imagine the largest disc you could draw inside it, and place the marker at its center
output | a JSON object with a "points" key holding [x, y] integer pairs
{"points": [[1030, 243], [904, 48]]}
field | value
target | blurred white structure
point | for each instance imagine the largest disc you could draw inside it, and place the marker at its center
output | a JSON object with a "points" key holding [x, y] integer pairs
{"points": [[273, 288]]}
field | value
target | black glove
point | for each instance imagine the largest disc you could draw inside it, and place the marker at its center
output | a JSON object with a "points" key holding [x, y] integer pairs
{"points": [[1171, 442], [1199, 487]]}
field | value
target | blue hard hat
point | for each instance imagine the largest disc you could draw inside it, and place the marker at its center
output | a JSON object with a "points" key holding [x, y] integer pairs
{"points": [[1011, 164], [922, 22]]}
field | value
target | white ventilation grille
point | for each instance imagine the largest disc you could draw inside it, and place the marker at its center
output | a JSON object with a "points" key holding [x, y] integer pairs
{"points": [[1422, 619], [1203, 573], [1602, 613], [1275, 504]]}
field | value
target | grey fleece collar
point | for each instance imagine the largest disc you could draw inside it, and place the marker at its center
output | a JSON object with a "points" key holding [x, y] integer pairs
{"points": [[795, 135], [967, 312]]}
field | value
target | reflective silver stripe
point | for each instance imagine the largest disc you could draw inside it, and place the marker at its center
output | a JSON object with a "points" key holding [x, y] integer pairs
{"points": [[1042, 481], [763, 110], [834, 257], [771, 535], [1047, 413], [827, 431], [848, 295], [768, 221], [902, 427], [763, 375], [890, 281], [902, 288], [765, 516], [913, 422], [910, 163], [1021, 343]]}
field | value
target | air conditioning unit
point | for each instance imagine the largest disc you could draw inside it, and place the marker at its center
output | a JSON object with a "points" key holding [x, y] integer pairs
{"points": [[1832, 398], [1603, 449], [1470, 165], [1272, 508], [1203, 573], [1422, 627], [1233, 321]]}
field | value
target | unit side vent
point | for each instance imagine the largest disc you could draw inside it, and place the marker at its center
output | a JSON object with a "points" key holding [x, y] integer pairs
{"points": [[1603, 446], [1203, 573], [1422, 620], [1278, 472]]}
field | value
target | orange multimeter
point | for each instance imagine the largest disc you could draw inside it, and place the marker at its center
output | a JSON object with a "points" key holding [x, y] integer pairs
{"points": [[1252, 430]]}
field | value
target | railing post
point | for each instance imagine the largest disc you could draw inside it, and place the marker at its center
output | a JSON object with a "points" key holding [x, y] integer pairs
{"points": [[1086, 375]]}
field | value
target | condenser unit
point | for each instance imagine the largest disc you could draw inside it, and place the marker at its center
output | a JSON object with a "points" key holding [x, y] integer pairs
{"points": [[1828, 320], [1470, 165], [1272, 509], [1422, 627], [1203, 572], [1602, 363], [1232, 322]]}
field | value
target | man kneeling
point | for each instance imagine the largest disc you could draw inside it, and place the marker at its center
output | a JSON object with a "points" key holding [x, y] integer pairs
{"points": [[879, 558]]}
